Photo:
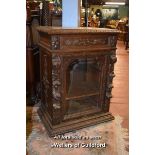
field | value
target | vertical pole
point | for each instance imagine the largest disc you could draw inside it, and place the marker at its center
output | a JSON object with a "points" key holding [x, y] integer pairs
{"points": [[86, 25], [46, 16], [86, 13]]}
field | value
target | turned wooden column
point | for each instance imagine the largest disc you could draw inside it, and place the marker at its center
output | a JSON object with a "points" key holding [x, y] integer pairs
{"points": [[46, 17], [32, 64]]}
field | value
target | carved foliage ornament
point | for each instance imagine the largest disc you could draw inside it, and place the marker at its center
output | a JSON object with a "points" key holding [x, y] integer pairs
{"points": [[55, 42], [56, 81], [85, 41], [111, 75]]}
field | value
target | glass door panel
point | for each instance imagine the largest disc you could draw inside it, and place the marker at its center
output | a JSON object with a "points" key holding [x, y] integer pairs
{"points": [[83, 86]]}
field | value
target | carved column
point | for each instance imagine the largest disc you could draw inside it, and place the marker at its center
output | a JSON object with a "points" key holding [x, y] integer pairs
{"points": [[56, 88], [109, 86]]}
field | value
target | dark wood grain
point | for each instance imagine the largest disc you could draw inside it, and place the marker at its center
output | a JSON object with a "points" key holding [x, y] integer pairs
{"points": [[56, 57]]}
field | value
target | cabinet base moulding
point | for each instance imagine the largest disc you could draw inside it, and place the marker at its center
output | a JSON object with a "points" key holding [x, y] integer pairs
{"points": [[72, 125]]}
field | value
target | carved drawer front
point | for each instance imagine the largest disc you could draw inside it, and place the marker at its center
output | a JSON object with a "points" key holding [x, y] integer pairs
{"points": [[87, 41], [75, 42]]}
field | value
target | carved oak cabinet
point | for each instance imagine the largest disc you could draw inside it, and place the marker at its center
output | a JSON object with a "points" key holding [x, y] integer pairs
{"points": [[77, 69]]}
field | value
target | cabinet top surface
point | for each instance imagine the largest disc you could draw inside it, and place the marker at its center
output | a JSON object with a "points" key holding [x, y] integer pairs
{"points": [[67, 30]]}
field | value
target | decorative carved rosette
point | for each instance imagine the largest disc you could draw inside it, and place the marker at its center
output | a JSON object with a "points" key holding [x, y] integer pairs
{"points": [[55, 42], [109, 86]]}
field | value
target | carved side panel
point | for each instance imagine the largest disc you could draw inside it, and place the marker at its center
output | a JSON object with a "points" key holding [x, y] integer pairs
{"points": [[56, 88], [112, 41], [45, 82], [109, 85]]}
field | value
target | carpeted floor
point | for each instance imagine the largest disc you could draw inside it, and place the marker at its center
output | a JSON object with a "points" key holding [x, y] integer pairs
{"points": [[111, 135]]}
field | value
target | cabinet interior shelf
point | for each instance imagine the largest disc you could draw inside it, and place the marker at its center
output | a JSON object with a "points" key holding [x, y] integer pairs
{"points": [[82, 96]]}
